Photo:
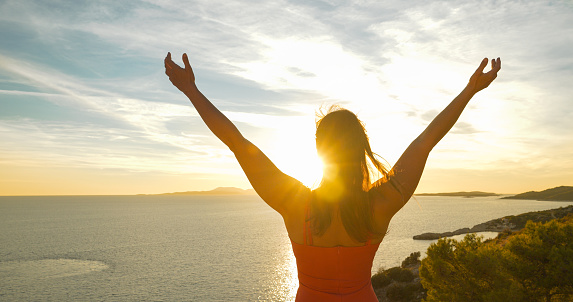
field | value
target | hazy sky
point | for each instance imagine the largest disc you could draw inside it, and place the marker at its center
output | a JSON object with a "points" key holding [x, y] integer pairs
{"points": [[85, 106]]}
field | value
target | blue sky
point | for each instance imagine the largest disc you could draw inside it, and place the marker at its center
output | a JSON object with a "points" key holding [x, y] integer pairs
{"points": [[85, 107]]}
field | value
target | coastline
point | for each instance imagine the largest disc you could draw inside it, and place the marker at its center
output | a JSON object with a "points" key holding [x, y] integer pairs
{"points": [[510, 223]]}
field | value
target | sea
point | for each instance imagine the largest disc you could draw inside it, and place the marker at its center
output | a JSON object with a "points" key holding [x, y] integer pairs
{"points": [[188, 248]]}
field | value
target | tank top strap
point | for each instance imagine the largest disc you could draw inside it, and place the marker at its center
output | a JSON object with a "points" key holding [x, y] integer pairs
{"points": [[307, 230]]}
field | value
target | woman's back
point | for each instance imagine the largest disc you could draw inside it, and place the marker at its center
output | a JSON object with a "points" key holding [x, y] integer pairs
{"points": [[334, 273], [333, 266], [297, 220]]}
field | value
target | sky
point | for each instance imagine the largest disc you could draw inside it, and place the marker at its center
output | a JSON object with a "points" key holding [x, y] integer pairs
{"points": [[85, 106]]}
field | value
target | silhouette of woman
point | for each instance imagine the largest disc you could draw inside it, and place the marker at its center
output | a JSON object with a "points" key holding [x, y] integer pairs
{"points": [[335, 229]]}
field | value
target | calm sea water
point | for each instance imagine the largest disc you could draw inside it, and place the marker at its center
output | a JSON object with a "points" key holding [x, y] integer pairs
{"points": [[175, 248]]}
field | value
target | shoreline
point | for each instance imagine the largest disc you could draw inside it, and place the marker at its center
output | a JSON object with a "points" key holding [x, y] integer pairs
{"points": [[507, 223]]}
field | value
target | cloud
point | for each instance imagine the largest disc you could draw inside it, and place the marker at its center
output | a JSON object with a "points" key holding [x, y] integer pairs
{"points": [[271, 65], [464, 128], [145, 124], [39, 144], [138, 140]]}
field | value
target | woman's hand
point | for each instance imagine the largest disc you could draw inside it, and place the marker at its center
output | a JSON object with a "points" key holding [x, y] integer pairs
{"points": [[183, 79], [480, 80]]}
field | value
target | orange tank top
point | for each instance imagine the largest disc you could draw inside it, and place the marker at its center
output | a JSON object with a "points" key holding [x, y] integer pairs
{"points": [[338, 273]]}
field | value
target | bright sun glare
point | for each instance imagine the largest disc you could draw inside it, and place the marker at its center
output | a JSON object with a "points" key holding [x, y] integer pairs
{"points": [[307, 169], [295, 152], [300, 163]]}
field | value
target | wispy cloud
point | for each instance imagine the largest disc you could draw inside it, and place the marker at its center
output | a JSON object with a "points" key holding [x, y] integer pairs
{"points": [[138, 143], [270, 65]]}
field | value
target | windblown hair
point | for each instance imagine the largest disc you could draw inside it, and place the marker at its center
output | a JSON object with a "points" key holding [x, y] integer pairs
{"points": [[343, 145]]}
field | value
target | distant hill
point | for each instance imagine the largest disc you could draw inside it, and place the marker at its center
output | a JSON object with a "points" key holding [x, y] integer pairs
{"points": [[217, 191], [562, 193], [462, 194]]}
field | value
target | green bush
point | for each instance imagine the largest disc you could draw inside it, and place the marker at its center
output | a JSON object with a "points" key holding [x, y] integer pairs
{"points": [[380, 279], [530, 265], [400, 274], [404, 292], [414, 258]]}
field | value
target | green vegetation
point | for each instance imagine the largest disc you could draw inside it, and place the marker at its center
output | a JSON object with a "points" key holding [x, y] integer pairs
{"points": [[400, 274], [413, 259], [404, 292], [562, 193], [380, 279], [384, 277], [400, 283], [534, 264], [540, 216]]}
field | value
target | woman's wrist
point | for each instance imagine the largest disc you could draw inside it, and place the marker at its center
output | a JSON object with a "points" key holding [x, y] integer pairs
{"points": [[469, 90], [190, 89]]}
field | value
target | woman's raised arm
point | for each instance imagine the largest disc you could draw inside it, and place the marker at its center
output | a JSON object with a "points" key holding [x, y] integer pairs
{"points": [[274, 187], [407, 171], [218, 123]]}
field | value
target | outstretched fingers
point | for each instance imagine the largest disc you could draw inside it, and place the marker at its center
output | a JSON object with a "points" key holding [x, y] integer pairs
{"points": [[186, 61], [168, 60], [170, 66], [187, 66], [182, 77], [481, 66], [497, 66], [480, 80]]}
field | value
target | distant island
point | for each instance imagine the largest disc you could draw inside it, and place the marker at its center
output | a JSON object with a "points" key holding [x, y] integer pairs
{"points": [[562, 193], [216, 191], [460, 194], [508, 223]]}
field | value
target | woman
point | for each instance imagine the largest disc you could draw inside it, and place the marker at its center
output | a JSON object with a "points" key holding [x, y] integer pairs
{"points": [[336, 229]]}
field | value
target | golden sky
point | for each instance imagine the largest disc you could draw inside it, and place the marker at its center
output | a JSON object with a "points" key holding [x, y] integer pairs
{"points": [[85, 107]]}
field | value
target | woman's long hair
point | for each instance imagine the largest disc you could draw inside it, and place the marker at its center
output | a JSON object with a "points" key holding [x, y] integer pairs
{"points": [[343, 145]]}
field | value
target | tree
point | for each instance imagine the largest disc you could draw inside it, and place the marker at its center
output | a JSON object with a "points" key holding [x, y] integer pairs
{"points": [[467, 270], [540, 258], [535, 264]]}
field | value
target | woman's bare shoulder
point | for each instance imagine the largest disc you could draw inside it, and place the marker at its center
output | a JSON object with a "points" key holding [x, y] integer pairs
{"points": [[296, 202], [384, 192], [385, 198], [295, 213]]}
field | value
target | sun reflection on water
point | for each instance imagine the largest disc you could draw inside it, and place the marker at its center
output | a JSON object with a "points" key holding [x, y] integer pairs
{"points": [[285, 282], [292, 275]]}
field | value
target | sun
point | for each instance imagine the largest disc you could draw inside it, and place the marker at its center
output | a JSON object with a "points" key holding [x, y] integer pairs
{"points": [[307, 169], [294, 152], [300, 162]]}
